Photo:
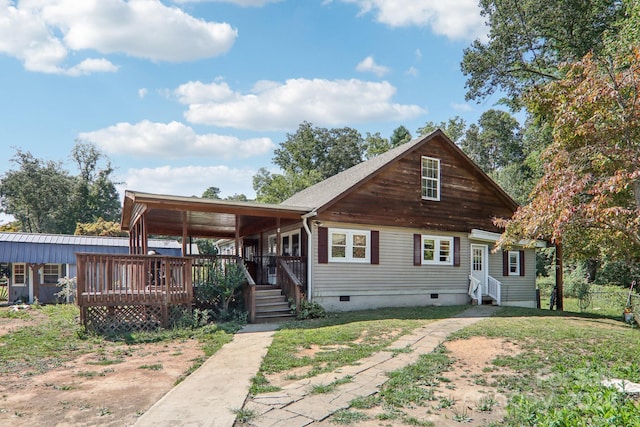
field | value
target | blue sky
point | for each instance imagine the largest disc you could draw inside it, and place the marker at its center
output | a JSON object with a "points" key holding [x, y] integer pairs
{"points": [[183, 95]]}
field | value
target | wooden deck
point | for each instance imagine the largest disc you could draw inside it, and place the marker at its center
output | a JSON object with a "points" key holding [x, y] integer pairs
{"points": [[117, 293]]}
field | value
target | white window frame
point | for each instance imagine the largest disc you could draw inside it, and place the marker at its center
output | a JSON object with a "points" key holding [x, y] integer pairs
{"points": [[288, 248], [58, 269], [437, 240], [25, 274], [424, 179], [349, 233], [514, 263]]}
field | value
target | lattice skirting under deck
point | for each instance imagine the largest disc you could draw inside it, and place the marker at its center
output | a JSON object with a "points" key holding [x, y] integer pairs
{"points": [[132, 318]]}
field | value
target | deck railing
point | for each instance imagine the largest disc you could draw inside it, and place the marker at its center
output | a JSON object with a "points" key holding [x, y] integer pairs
{"points": [[106, 279]]}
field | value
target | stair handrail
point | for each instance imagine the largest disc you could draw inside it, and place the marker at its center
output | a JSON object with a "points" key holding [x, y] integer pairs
{"points": [[495, 289], [249, 293], [289, 282], [475, 289]]}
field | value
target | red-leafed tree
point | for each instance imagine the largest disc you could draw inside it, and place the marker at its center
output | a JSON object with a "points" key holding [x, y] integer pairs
{"points": [[589, 196]]}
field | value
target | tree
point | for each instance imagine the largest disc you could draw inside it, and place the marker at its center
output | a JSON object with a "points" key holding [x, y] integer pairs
{"points": [[495, 142], [100, 227], [211, 193], [94, 194], [37, 195], [454, 128], [375, 145], [307, 157], [528, 40], [45, 198], [399, 136], [589, 196]]}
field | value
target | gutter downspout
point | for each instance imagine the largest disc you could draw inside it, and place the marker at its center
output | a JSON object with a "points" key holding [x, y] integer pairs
{"points": [[305, 217]]}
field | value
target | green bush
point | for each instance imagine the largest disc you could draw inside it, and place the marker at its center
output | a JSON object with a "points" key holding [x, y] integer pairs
{"points": [[618, 273], [220, 290], [308, 310]]}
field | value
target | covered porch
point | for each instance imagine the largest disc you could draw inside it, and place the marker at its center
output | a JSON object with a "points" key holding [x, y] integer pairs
{"points": [[155, 289]]}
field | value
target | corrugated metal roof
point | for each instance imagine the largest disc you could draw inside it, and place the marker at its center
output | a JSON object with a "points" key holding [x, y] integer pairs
{"points": [[61, 249]]}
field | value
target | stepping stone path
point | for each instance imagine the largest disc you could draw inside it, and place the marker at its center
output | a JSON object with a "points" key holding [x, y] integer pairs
{"points": [[295, 406]]}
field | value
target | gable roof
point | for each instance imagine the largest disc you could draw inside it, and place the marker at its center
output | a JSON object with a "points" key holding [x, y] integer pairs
{"points": [[61, 248], [330, 190]]}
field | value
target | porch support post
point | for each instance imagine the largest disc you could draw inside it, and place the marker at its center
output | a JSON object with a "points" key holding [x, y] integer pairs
{"points": [[559, 277], [145, 240], [237, 236], [278, 249], [184, 233]]}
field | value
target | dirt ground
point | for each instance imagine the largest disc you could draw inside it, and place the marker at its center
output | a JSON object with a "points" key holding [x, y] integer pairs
{"points": [[110, 387], [115, 385]]}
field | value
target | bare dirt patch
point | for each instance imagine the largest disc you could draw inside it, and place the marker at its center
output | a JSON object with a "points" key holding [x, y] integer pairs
{"points": [[465, 395], [111, 386]]}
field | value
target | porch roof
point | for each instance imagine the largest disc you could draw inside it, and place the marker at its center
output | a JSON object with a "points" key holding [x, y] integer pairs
{"points": [[197, 217]]}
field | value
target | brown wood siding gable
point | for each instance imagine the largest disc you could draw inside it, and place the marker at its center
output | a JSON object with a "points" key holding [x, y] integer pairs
{"points": [[468, 199]]}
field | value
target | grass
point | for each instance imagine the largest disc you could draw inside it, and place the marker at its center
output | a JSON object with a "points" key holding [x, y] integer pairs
{"points": [[341, 339], [56, 337]]}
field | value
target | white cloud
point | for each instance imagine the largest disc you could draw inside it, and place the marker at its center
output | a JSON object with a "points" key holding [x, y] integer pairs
{"points": [[189, 180], [242, 3], [173, 140], [369, 64], [42, 33], [412, 71], [455, 19], [283, 106], [461, 107], [142, 92]]}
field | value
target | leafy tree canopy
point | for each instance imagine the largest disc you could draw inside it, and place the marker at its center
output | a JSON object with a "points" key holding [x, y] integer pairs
{"points": [[589, 196], [100, 227], [454, 128], [495, 142], [528, 41], [45, 198], [307, 157], [400, 136]]}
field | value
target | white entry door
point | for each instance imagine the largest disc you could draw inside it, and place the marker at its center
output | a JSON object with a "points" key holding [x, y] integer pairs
{"points": [[479, 264]]}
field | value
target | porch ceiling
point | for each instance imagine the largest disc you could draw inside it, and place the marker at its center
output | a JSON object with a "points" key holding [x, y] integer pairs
{"points": [[167, 215]]}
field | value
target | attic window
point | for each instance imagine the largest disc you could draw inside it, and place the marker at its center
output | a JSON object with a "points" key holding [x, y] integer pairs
{"points": [[430, 178]]}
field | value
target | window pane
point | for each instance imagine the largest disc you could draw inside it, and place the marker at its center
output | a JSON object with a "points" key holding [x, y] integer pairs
{"points": [[429, 250], [339, 239], [338, 251], [359, 240], [359, 252], [445, 250]]}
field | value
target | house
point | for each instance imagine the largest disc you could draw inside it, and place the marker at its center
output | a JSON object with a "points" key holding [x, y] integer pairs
{"points": [[412, 226], [31, 264]]}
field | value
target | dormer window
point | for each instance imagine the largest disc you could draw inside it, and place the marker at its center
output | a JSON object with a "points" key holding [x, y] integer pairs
{"points": [[430, 178]]}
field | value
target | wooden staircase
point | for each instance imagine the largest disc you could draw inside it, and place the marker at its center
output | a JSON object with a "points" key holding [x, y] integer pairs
{"points": [[271, 305]]}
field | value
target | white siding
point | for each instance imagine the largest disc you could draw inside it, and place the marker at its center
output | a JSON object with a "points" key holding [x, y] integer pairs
{"points": [[516, 290], [395, 281]]}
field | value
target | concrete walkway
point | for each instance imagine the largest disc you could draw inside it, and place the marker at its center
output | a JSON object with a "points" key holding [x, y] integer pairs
{"points": [[209, 396]]}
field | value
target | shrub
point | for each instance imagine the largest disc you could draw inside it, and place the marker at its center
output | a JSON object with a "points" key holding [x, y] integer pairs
{"points": [[308, 310]]}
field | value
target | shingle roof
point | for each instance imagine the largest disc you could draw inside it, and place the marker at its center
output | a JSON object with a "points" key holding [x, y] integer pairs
{"points": [[320, 194], [61, 249]]}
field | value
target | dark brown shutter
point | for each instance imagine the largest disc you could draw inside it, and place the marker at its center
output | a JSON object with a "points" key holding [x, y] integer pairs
{"points": [[375, 247], [417, 249], [522, 263], [456, 252], [323, 245], [505, 263], [303, 242]]}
